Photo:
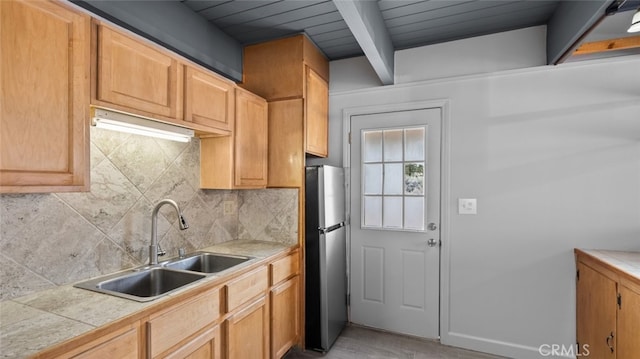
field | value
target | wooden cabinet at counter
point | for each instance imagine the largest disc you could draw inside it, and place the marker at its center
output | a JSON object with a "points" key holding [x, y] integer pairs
{"points": [[284, 298], [44, 67], [239, 160], [247, 326], [596, 310], [180, 329], [607, 311], [628, 340], [287, 69]]}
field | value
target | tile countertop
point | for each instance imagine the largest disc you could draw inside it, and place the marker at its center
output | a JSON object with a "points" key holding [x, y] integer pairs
{"points": [[34, 322], [625, 261]]}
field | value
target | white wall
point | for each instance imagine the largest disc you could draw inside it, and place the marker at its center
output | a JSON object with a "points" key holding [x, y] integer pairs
{"points": [[553, 156], [483, 54]]}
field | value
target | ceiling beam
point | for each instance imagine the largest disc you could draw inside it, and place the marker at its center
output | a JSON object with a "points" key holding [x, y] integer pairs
{"points": [[624, 43], [570, 23], [365, 21]]}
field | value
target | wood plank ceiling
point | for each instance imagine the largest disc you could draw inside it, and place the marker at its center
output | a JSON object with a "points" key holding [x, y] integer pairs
{"points": [[410, 23], [376, 28]]}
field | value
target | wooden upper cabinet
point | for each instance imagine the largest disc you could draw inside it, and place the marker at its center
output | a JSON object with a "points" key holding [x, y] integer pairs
{"points": [[286, 143], [208, 100], [136, 77], [44, 108], [317, 114], [287, 69], [251, 138], [239, 160], [275, 69]]}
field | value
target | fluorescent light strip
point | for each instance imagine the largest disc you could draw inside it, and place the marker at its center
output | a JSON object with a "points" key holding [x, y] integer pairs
{"points": [[122, 122]]}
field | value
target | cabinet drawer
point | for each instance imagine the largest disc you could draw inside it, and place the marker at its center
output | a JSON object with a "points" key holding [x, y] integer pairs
{"points": [[284, 268], [169, 327], [122, 343], [246, 287]]}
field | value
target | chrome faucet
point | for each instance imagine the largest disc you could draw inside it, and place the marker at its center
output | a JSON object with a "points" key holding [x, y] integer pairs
{"points": [[154, 250]]}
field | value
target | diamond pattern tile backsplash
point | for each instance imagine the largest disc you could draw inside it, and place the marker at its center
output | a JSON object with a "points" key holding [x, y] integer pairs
{"points": [[53, 239]]}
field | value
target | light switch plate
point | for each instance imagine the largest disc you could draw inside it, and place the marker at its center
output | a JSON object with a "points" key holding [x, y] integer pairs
{"points": [[467, 206]]}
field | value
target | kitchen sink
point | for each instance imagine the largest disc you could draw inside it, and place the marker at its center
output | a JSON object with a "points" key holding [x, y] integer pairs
{"points": [[142, 285], [206, 262]]}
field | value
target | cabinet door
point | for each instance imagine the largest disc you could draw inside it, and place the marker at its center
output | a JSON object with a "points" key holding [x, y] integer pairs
{"points": [[286, 143], [135, 77], [204, 346], [44, 109], [284, 317], [628, 342], [209, 100], [170, 327], [250, 140], [317, 115], [596, 313], [248, 332]]}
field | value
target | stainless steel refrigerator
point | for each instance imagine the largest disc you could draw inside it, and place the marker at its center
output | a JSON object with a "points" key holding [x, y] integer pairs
{"points": [[325, 256]]}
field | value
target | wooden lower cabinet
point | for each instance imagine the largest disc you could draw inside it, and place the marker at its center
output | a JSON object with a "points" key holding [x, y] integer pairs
{"points": [[247, 331], [595, 313], [607, 310], [628, 340], [254, 315], [284, 317], [206, 345], [122, 342]]}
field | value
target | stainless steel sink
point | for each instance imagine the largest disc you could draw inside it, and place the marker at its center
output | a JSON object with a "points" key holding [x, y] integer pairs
{"points": [[143, 284], [206, 262]]}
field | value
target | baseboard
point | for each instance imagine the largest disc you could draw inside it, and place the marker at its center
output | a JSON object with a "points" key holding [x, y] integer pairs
{"points": [[506, 349]]}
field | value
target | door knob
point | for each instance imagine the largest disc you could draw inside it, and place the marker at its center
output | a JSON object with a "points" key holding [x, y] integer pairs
{"points": [[432, 242], [432, 226]]}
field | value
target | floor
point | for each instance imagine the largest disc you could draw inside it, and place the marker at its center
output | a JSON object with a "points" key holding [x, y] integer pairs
{"points": [[360, 343]]}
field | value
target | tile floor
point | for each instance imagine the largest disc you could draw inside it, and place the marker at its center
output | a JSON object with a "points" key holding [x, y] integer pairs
{"points": [[360, 343]]}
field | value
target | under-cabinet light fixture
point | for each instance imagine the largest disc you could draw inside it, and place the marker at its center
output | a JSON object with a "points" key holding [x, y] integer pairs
{"points": [[122, 122], [635, 22]]}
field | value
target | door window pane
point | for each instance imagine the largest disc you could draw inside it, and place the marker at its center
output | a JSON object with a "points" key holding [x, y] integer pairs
{"points": [[372, 210], [392, 209], [393, 145], [372, 146], [393, 178], [414, 213], [373, 179], [414, 178], [414, 144], [393, 183]]}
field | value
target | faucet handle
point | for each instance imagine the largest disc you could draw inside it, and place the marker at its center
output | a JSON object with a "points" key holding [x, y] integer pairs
{"points": [[161, 251], [181, 252]]}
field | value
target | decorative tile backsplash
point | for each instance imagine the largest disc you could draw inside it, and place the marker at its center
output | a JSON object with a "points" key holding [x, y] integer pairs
{"points": [[54, 239]]}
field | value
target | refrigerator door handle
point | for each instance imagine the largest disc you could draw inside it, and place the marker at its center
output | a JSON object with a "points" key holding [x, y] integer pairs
{"points": [[324, 230]]}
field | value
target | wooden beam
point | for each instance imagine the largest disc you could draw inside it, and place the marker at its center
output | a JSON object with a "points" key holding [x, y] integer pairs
{"points": [[365, 21], [624, 43]]}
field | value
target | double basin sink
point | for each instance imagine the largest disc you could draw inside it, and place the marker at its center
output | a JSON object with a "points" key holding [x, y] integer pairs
{"points": [[151, 282]]}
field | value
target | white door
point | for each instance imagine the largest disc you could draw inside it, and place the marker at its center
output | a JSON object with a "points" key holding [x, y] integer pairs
{"points": [[395, 221]]}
